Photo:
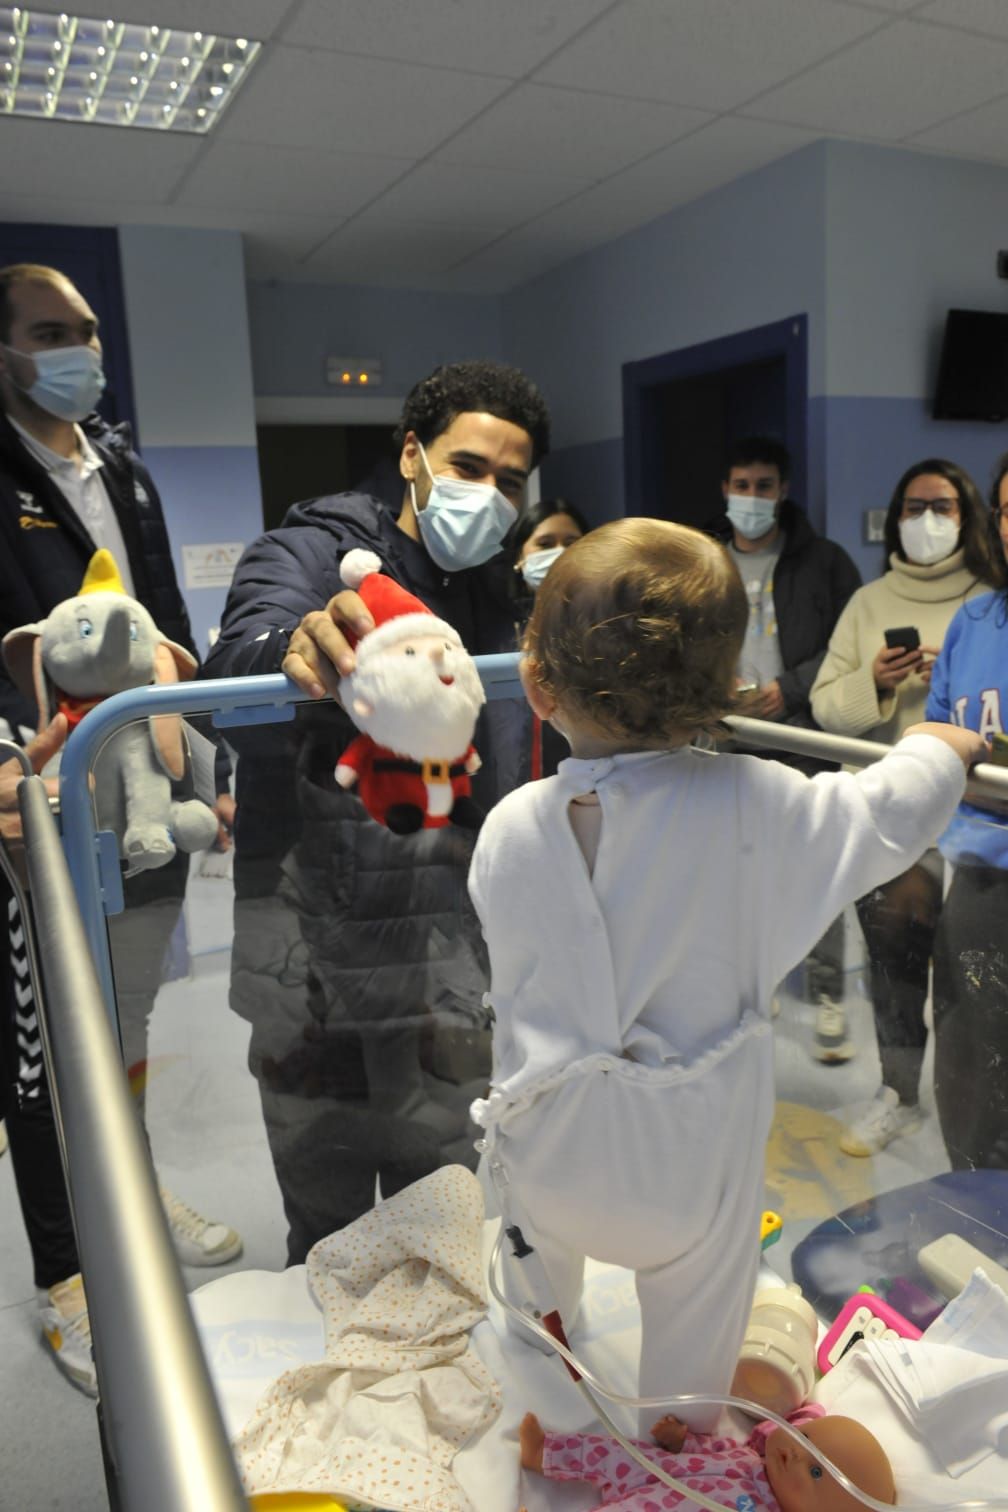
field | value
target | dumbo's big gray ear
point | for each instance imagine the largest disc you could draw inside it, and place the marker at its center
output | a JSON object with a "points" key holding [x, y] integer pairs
{"points": [[22, 652]]}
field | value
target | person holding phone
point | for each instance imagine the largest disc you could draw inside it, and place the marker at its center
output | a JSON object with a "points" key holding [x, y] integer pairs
{"points": [[874, 683]]}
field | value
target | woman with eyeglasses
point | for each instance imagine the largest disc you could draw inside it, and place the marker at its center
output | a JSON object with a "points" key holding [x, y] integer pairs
{"points": [[873, 685], [969, 687]]}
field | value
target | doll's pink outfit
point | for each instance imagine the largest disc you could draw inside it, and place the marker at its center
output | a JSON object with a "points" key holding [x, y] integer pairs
{"points": [[729, 1471]]}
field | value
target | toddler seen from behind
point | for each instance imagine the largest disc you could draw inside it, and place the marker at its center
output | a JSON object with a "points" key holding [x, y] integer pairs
{"points": [[639, 909]]}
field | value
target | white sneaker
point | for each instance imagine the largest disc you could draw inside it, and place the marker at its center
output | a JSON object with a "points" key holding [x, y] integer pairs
{"points": [[885, 1120], [831, 1043], [66, 1329], [198, 1240]]}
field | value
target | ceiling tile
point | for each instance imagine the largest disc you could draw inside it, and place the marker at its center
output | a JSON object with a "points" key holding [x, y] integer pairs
{"points": [[362, 252], [566, 131], [274, 245], [484, 36], [721, 152], [713, 54], [493, 199], [239, 175], [987, 16], [513, 260], [980, 133], [901, 81], [288, 238], [229, 18], [62, 156], [325, 100]]}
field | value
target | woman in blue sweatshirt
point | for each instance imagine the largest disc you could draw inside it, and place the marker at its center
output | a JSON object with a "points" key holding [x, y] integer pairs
{"points": [[969, 687]]}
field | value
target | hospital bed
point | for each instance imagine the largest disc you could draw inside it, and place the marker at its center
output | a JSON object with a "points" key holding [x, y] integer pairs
{"points": [[166, 1431]]}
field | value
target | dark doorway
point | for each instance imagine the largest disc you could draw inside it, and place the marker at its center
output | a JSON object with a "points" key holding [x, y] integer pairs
{"points": [[682, 410], [299, 462]]}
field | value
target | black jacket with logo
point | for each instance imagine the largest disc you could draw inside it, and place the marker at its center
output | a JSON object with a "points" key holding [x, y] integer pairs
{"points": [[45, 549]]}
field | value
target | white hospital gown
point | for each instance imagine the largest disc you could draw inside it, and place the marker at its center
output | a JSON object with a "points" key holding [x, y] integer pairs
{"points": [[633, 1070]]}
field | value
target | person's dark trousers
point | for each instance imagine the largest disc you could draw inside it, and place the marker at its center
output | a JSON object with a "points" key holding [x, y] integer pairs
{"points": [[971, 1019], [899, 921], [31, 1124]]}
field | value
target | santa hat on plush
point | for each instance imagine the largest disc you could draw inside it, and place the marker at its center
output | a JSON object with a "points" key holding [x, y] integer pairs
{"points": [[397, 613]]}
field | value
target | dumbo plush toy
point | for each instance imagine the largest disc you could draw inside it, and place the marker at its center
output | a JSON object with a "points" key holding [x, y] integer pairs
{"points": [[94, 645]]}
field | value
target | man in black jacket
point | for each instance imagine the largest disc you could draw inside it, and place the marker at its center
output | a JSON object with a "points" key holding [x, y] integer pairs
{"points": [[69, 484], [797, 584], [357, 957]]}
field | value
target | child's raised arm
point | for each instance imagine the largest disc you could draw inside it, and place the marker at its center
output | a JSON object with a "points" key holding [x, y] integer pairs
{"points": [[967, 744]]}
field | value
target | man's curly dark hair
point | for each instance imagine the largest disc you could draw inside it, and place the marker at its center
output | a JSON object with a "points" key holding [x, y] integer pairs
{"points": [[488, 388]]}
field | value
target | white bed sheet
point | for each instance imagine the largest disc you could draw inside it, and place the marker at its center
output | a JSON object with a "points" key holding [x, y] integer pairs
{"points": [[257, 1324]]}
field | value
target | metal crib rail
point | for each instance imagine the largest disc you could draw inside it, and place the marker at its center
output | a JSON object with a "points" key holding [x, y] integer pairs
{"points": [[163, 1424], [164, 1432], [987, 782]]}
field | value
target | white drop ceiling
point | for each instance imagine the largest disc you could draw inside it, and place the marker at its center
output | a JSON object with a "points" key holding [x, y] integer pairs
{"points": [[472, 144]]}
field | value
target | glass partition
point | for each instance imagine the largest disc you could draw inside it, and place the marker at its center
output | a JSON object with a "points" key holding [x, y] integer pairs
{"points": [[303, 1021]]}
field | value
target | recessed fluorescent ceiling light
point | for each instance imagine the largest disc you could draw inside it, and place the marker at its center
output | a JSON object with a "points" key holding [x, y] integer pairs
{"points": [[113, 73]]}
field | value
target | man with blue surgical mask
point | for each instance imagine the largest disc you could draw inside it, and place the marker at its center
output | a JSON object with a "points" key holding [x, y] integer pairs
{"points": [[69, 484], [356, 958], [797, 583]]}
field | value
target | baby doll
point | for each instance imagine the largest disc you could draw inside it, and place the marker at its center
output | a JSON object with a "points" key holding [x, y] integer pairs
{"points": [[769, 1471]]}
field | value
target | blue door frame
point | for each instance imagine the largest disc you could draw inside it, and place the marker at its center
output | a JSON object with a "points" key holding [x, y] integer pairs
{"points": [[644, 472]]}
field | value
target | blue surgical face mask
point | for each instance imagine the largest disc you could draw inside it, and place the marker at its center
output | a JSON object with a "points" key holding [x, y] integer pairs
{"points": [[752, 517], [462, 524], [69, 380], [536, 565]]}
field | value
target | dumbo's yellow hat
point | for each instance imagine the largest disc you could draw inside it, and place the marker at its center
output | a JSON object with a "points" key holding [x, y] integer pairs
{"points": [[102, 574]]}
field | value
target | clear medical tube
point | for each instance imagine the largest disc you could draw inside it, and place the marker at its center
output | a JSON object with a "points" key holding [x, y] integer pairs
{"points": [[591, 1385]]}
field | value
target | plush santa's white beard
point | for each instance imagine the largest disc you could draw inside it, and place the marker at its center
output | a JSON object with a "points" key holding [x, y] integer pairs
{"points": [[415, 714]]}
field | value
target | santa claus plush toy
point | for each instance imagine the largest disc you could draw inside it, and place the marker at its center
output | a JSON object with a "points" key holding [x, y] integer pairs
{"points": [[416, 695]]}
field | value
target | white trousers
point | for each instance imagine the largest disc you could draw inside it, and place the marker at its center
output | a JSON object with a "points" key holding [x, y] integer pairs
{"points": [[660, 1172]]}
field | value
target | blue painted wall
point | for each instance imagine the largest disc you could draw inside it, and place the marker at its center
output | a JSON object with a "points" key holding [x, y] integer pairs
{"points": [[192, 379], [872, 244], [748, 254], [210, 494], [907, 237], [295, 327]]}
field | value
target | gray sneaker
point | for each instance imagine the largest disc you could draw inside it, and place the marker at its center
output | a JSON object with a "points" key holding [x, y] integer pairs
{"points": [[198, 1240], [885, 1120], [66, 1329], [831, 1044]]}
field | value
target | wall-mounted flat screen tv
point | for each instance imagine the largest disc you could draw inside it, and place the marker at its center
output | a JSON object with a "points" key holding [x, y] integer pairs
{"points": [[973, 371]]}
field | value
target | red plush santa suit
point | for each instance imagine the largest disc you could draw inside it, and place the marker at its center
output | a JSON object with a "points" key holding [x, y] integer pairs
{"points": [[385, 779]]}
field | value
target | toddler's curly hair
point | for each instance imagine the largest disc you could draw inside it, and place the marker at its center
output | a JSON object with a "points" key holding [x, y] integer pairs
{"points": [[638, 627]]}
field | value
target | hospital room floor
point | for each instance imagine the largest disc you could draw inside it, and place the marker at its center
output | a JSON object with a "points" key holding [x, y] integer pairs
{"points": [[210, 1148]]}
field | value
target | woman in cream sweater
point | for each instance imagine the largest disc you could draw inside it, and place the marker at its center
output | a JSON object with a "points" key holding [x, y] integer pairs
{"points": [[939, 556]]}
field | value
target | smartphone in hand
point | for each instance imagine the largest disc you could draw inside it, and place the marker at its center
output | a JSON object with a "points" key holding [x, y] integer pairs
{"points": [[906, 638]]}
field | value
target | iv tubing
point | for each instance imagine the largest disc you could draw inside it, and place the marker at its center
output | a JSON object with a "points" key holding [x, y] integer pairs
{"points": [[589, 1384]]}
